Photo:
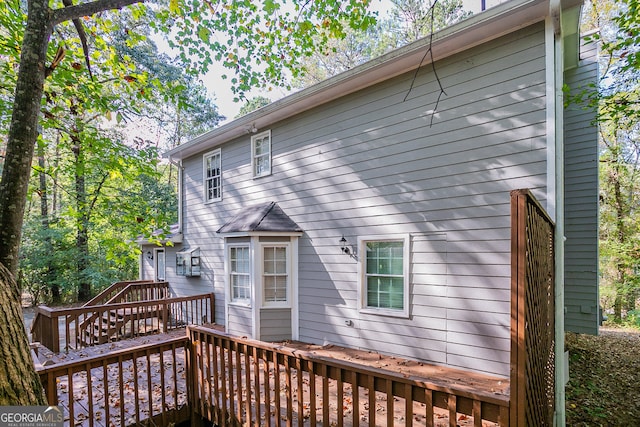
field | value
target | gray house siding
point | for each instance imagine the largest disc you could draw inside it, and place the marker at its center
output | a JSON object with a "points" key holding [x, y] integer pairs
{"points": [[370, 164], [275, 324], [239, 320], [581, 203]]}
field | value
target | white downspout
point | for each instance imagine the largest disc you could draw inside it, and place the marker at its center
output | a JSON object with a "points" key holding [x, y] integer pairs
{"points": [[555, 132]]}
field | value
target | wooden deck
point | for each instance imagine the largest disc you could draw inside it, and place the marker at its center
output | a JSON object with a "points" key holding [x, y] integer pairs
{"points": [[159, 379]]}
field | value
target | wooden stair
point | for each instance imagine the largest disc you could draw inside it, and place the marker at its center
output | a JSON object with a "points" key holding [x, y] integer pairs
{"points": [[115, 325]]}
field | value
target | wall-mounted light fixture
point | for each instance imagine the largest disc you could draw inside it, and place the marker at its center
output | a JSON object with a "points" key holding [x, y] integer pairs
{"points": [[149, 255], [252, 129], [346, 248]]}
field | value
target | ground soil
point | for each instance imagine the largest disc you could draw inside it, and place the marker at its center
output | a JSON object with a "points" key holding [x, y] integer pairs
{"points": [[604, 384]]}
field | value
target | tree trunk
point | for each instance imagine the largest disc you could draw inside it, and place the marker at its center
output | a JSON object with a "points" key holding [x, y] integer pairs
{"points": [[82, 223], [19, 382], [44, 221], [23, 131]]}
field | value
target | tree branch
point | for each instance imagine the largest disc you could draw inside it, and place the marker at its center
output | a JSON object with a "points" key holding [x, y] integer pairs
{"points": [[83, 37], [87, 9]]}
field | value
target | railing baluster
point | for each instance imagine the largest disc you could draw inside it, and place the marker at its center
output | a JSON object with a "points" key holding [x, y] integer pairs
{"points": [[256, 382], [247, 386], [209, 349], [477, 413], [200, 373], [355, 398], [428, 400], [149, 385], [216, 389], [390, 401], [72, 398], [372, 399], [276, 388], [163, 397], [121, 384], [238, 381], [300, 378], [312, 392], [223, 379], [325, 394], [287, 369], [107, 394], [89, 395], [267, 387], [452, 407], [408, 403], [340, 397], [136, 388]]}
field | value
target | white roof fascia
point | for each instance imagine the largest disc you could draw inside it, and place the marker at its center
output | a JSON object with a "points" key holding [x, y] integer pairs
{"points": [[491, 24]]}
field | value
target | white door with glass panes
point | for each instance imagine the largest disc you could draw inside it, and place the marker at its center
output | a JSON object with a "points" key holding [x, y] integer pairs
{"points": [[160, 265]]}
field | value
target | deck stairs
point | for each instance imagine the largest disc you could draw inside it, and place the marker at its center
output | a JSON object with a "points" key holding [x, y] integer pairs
{"points": [[106, 325], [114, 325]]}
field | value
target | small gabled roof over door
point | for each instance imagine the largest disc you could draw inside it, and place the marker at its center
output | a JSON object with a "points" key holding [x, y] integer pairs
{"points": [[262, 218]]}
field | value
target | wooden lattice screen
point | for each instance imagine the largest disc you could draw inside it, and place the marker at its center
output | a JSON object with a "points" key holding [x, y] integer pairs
{"points": [[532, 313]]}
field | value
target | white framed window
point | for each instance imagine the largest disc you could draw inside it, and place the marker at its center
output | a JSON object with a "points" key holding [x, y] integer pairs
{"points": [[384, 278], [275, 275], [240, 274], [212, 176], [261, 154]]}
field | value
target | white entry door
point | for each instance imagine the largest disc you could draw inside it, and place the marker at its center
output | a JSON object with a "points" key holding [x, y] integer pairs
{"points": [[159, 265]]}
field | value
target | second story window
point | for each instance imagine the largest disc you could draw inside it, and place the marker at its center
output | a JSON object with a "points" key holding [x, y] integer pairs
{"points": [[212, 174], [261, 154]]}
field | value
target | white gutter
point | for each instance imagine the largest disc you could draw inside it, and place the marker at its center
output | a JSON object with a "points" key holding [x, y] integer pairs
{"points": [[491, 24]]}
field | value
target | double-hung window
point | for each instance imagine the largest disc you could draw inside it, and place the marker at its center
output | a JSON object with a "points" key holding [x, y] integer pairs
{"points": [[261, 154], [240, 274], [275, 275], [212, 173], [385, 275]]}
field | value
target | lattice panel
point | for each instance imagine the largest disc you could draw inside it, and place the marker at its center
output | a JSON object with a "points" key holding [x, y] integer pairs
{"points": [[533, 328]]}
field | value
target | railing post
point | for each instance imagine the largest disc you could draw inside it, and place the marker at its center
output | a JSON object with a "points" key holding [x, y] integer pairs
{"points": [[55, 333], [165, 316]]}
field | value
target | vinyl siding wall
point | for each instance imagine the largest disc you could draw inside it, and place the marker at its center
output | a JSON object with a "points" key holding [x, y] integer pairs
{"points": [[581, 198], [371, 163], [275, 324]]}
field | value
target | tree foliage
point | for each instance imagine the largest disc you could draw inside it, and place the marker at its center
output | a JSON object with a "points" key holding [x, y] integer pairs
{"points": [[617, 100], [409, 21], [257, 42], [253, 104]]}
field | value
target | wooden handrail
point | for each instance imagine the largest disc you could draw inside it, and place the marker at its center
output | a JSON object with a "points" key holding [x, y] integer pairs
{"points": [[157, 290], [112, 289], [89, 325]]}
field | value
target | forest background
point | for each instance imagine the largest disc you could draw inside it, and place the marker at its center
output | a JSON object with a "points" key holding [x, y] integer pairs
{"points": [[113, 102]]}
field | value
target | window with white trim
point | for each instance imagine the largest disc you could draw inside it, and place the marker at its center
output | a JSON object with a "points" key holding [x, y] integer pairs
{"points": [[261, 154], [385, 278], [275, 275], [212, 173], [240, 274]]}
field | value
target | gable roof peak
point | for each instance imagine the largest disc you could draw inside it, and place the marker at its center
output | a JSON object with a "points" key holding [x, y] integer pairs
{"points": [[262, 218]]}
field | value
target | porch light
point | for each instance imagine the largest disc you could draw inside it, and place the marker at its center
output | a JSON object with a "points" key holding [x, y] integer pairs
{"points": [[343, 246], [149, 255]]}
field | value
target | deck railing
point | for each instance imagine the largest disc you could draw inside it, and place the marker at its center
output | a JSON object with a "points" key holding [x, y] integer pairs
{"points": [[237, 381], [140, 291], [142, 384], [112, 290], [72, 328]]}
